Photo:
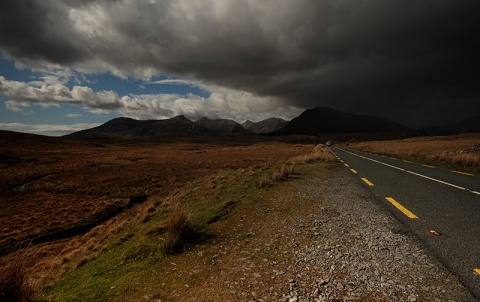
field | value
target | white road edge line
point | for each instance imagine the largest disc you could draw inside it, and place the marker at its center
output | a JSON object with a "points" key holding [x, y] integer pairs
{"points": [[411, 172]]}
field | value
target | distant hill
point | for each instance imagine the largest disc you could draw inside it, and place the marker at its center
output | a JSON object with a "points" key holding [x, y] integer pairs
{"points": [[221, 126], [265, 126], [469, 125], [127, 127], [311, 122], [326, 120]]}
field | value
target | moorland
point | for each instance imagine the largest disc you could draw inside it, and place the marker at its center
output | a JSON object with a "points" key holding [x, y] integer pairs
{"points": [[88, 219], [64, 200]]}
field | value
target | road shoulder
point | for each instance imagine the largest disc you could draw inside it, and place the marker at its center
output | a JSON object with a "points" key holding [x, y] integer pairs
{"points": [[319, 236]]}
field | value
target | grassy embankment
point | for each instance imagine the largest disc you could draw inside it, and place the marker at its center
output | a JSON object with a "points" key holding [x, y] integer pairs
{"points": [[461, 152], [131, 263]]}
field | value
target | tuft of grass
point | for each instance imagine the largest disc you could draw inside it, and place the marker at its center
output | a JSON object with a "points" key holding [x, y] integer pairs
{"points": [[180, 231], [264, 182], [283, 173], [320, 153], [14, 284]]}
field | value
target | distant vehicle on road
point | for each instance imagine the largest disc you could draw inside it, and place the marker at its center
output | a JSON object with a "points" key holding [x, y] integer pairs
{"points": [[329, 143]]}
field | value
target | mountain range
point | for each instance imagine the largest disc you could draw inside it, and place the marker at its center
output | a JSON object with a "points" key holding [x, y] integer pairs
{"points": [[316, 121]]}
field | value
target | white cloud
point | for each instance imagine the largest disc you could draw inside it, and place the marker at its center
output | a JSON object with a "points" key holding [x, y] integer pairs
{"points": [[49, 129], [18, 107], [73, 115], [222, 102]]}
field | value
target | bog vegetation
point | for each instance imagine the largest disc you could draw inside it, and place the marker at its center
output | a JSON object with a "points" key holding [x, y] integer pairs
{"points": [[461, 152], [163, 197]]}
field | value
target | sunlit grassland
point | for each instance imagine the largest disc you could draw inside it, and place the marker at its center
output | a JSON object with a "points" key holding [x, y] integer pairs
{"points": [[132, 263]]}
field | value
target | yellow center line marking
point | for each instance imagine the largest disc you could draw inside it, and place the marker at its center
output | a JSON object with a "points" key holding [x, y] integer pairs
{"points": [[401, 208], [428, 166], [458, 172], [346, 165], [368, 182], [355, 172], [407, 161], [477, 270]]}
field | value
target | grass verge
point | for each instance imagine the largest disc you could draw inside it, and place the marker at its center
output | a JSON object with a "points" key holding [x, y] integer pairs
{"points": [[140, 259], [461, 153]]}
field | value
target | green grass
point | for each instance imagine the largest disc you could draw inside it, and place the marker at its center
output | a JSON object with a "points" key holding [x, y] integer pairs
{"points": [[134, 258], [133, 265]]}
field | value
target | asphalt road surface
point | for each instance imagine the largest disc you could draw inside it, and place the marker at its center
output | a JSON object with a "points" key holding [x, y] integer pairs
{"points": [[440, 206]]}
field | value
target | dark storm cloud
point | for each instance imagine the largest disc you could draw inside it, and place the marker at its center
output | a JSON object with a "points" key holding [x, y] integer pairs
{"points": [[31, 30], [412, 61]]}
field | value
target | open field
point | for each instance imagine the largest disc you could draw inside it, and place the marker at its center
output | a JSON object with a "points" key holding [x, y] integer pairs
{"points": [[460, 152], [67, 202]]}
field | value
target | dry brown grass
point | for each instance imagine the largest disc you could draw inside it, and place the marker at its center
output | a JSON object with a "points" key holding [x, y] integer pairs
{"points": [[180, 230], [264, 182], [81, 179], [69, 183], [459, 151], [14, 283], [283, 173], [320, 153]]}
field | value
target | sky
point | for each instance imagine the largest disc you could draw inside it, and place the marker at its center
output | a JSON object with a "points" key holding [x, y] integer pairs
{"points": [[70, 65]]}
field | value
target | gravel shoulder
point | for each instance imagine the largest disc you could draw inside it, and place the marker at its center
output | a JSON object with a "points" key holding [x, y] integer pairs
{"points": [[363, 253], [320, 237]]}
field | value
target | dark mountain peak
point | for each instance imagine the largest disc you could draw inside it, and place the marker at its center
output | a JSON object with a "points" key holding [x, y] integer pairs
{"points": [[221, 126], [321, 110], [121, 121], [202, 119], [468, 125], [127, 127], [268, 125], [181, 118], [327, 120]]}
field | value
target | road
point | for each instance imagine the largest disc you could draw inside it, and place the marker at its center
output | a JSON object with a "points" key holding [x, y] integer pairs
{"points": [[440, 206]]}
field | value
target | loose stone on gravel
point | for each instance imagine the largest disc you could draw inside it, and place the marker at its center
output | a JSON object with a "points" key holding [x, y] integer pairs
{"points": [[357, 251]]}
